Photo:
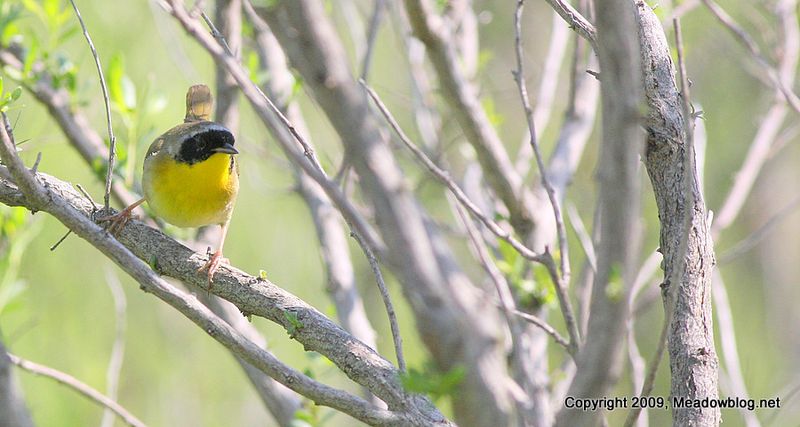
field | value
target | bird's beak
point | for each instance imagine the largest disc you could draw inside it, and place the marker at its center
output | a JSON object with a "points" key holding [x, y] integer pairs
{"points": [[227, 148]]}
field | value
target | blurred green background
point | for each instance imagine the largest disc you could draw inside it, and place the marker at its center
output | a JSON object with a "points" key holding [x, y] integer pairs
{"points": [[62, 311]]}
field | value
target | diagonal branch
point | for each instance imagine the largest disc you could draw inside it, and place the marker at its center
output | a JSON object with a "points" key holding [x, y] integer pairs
{"points": [[433, 30], [576, 21], [79, 386], [776, 76], [251, 295]]}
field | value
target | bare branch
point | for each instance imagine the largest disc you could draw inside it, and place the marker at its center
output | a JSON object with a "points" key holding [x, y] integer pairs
{"points": [[519, 76], [583, 236], [690, 341], [112, 151], [387, 302], [775, 76], [765, 139], [372, 34], [559, 36], [80, 387], [443, 177], [576, 21], [460, 93], [544, 326]]}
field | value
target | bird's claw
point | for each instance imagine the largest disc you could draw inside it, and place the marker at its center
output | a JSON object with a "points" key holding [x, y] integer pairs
{"points": [[117, 221], [212, 265]]}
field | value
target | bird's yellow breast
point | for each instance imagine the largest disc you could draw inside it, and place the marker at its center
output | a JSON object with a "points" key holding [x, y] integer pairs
{"points": [[191, 195]]}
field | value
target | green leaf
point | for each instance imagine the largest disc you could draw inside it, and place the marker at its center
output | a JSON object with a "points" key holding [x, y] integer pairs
{"points": [[51, 8], [433, 382], [30, 58], [303, 418], [294, 323], [510, 255], [16, 93], [116, 72]]}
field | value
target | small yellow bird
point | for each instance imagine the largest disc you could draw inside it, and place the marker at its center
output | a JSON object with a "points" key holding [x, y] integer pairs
{"points": [[191, 177]]}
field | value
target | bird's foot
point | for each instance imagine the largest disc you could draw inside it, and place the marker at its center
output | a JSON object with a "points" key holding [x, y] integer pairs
{"points": [[117, 221], [212, 265]]}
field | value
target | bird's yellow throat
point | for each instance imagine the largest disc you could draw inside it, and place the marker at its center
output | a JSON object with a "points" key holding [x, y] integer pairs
{"points": [[192, 195]]}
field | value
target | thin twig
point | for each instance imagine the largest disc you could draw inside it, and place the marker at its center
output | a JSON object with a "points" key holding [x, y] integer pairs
{"points": [[88, 197], [79, 386], [35, 166], [112, 151], [448, 182], [372, 35], [583, 236], [387, 300], [500, 284], [547, 89], [502, 288], [530, 318], [576, 21], [534, 142], [744, 38], [60, 241], [118, 348], [563, 248], [765, 138], [216, 33]]}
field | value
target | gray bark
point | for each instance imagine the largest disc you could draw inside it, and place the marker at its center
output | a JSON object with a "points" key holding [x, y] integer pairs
{"points": [[693, 359]]}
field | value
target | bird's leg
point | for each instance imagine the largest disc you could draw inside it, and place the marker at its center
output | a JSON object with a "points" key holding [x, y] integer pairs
{"points": [[216, 258], [118, 220]]}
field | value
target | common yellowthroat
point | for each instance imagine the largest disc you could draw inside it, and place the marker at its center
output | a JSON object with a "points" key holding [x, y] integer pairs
{"points": [[191, 177]]}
